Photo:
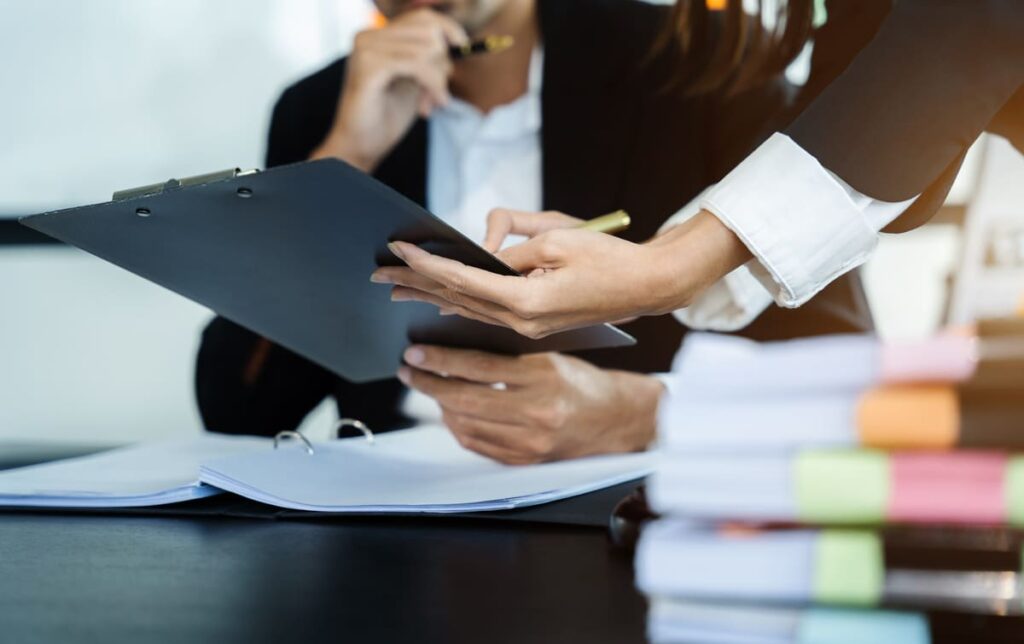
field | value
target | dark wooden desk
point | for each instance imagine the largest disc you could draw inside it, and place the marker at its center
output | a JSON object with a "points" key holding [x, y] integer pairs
{"points": [[136, 579]]}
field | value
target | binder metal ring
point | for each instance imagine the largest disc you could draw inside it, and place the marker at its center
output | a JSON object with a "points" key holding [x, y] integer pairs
{"points": [[358, 424], [290, 434]]}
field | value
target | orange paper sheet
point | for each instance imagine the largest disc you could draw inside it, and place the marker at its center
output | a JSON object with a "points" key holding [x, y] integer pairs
{"points": [[926, 416]]}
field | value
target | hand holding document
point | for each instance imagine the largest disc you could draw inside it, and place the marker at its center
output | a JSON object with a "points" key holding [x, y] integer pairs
{"points": [[302, 276], [575, 277]]}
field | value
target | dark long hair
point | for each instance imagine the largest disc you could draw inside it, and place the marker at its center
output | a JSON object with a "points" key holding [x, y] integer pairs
{"points": [[726, 48]]}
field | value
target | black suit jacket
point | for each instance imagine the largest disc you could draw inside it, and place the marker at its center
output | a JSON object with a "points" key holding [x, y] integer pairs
{"points": [[612, 137], [898, 121]]}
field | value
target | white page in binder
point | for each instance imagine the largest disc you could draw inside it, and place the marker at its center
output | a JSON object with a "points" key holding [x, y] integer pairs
{"points": [[415, 470], [142, 475]]}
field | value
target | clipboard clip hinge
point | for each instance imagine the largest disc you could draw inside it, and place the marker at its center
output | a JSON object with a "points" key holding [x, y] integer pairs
{"points": [[176, 184]]}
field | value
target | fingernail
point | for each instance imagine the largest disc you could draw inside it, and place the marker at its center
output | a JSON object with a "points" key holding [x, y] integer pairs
{"points": [[415, 356], [379, 278], [393, 247], [405, 375], [398, 297], [447, 312]]}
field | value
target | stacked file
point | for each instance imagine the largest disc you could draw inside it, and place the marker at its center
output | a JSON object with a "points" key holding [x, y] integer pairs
{"points": [[787, 467]]}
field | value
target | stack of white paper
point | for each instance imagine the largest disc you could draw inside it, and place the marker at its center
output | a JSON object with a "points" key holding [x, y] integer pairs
{"points": [[731, 394], [683, 559], [139, 476], [714, 365], [415, 470]]}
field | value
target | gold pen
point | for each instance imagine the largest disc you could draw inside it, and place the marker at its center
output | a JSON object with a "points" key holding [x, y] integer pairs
{"points": [[613, 222], [489, 45]]}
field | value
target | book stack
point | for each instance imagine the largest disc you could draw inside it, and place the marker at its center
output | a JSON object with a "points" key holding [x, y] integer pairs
{"points": [[838, 480]]}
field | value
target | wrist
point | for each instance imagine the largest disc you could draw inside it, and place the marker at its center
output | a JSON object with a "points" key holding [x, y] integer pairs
{"points": [[340, 145], [639, 396], [692, 257]]}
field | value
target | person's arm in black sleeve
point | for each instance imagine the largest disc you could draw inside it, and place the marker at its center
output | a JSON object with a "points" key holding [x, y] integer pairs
{"points": [[891, 129], [247, 385], [934, 77]]}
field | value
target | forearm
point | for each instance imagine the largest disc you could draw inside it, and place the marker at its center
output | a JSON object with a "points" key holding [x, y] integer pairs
{"points": [[338, 144], [692, 256]]}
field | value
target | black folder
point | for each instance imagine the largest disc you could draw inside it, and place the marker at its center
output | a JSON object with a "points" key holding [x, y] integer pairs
{"points": [[288, 253]]}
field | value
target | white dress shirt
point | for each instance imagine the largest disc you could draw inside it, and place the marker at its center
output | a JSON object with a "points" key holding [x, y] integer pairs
{"points": [[804, 225], [477, 162]]}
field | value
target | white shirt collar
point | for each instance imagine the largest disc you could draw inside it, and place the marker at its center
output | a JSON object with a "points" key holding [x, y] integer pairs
{"points": [[509, 121]]}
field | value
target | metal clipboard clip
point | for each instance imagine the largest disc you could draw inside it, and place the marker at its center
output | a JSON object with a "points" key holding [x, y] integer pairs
{"points": [[342, 424], [187, 182]]}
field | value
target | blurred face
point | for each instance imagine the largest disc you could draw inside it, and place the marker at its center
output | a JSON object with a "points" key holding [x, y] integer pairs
{"points": [[471, 14]]}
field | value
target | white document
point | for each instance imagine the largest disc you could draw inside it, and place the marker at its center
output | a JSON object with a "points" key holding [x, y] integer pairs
{"points": [[675, 559], [715, 487], [414, 470], [138, 476], [691, 424], [675, 621], [720, 366]]}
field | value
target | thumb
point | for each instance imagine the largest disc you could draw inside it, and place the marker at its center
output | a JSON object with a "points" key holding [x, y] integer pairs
{"points": [[499, 225], [529, 256], [502, 222]]}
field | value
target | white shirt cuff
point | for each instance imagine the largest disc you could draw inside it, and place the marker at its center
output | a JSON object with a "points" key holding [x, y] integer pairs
{"points": [[730, 304], [804, 226]]}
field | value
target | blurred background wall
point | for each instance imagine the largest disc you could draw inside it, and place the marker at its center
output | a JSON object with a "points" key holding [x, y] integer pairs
{"points": [[100, 95]]}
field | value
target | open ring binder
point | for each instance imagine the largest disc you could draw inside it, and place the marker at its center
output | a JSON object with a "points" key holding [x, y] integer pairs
{"points": [[292, 434], [342, 424], [358, 424]]}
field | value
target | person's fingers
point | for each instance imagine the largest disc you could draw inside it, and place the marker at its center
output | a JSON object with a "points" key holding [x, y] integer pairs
{"points": [[467, 398], [410, 286], [526, 308], [406, 44], [499, 225], [449, 309], [502, 222], [539, 252], [425, 105], [476, 366], [500, 433], [431, 78], [515, 443], [494, 452], [452, 32], [459, 279], [405, 276], [476, 309]]}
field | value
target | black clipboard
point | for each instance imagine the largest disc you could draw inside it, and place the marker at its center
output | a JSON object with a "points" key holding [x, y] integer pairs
{"points": [[288, 253]]}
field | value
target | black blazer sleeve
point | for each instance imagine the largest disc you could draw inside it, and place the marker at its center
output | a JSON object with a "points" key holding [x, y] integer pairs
{"points": [[901, 116], [244, 384]]}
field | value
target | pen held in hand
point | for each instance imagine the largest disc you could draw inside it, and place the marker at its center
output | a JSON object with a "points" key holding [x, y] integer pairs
{"points": [[610, 224], [488, 45], [614, 222]]}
